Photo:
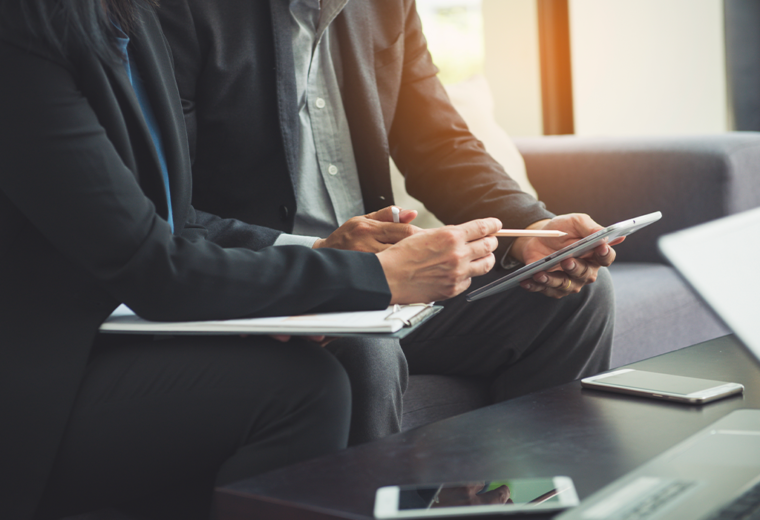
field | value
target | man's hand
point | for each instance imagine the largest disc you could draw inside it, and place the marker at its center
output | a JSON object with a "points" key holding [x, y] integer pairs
{"points": [[436, 264], [573, 273], [371, 233]]}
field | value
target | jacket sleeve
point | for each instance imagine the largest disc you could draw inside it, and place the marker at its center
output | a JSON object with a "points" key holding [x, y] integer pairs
{"points": [[64, 174], [228, 232], [445, 166]]}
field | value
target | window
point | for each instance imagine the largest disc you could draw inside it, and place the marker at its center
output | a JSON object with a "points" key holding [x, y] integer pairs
{"points": [[454, 30]]}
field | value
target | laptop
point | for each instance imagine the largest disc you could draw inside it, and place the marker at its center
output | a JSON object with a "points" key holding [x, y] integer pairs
{"points": [[716, 472]]}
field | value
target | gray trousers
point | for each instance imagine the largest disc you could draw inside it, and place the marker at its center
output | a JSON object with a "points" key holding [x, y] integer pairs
{"points": [[519, 342]]}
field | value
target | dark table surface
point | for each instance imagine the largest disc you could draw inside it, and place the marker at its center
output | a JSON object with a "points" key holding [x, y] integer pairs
{"points": [[593, 437]]}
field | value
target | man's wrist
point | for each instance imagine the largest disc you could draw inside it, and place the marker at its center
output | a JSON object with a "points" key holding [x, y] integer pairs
{"points": [[507, 260], [388, 263], [518, 246]]}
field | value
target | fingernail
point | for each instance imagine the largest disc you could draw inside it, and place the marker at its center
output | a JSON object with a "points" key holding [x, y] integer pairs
{"points": [[543, 278], [571, 265], [606, 251], [529, 287]]}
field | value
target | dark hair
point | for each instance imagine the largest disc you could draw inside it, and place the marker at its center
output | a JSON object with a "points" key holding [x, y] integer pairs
{"points": [[88, 22]]}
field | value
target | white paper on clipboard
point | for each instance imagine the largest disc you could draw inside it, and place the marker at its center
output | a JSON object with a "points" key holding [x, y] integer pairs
{"points": [[386, 321]]}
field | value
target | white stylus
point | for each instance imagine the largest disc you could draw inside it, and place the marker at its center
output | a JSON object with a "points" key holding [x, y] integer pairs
{"points": [[529, 233], [396, 213]]}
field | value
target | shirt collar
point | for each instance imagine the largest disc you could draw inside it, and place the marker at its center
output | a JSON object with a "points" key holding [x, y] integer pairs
{"points": [[325, 11]]}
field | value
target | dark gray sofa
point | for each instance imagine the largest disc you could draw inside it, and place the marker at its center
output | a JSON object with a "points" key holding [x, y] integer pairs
{"points": [[691, 179]]}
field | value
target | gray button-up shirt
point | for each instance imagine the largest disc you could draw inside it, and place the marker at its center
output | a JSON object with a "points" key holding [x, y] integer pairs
{"points": [[327, 181]]}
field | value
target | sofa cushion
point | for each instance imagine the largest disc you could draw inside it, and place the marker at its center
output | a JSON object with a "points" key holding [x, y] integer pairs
{"points": [[656, 312]]}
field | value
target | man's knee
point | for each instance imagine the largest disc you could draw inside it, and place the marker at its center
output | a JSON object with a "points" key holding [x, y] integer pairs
{"points": [[598, 320], [601, 293], [379, 363], [378, 373]]}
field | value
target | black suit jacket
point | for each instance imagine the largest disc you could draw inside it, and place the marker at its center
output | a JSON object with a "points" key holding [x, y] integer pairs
{"points": [[84, 228], [235, 73]]}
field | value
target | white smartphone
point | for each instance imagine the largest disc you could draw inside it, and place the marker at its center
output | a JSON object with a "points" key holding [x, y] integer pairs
{"points": [[574, 250], [662, 386], [499, 497]]}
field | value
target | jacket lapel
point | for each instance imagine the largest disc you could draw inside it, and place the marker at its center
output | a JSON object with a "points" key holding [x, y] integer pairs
{"points": [[286, 83], [142, 151], [157, 71], [362, 105]]}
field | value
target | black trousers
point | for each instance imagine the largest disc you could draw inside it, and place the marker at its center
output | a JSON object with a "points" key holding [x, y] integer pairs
{"points": [[519, 342], [158, 422]]}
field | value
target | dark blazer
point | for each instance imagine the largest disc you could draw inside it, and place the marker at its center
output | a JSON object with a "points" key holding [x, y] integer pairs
{"points": [[83, 212], [235, 73]]}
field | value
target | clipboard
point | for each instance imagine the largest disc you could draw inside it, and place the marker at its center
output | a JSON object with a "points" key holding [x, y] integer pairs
{"points": [[394, 322]]}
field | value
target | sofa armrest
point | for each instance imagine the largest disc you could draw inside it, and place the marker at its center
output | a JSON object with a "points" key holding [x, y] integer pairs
{"points": [[691, 179]]}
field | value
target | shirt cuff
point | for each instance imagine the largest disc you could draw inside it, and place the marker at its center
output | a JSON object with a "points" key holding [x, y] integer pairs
{"points": [[506, 261], [295, 240]]}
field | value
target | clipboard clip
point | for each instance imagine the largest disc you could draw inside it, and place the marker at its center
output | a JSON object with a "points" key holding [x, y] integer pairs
{"points": [[412, 320]]}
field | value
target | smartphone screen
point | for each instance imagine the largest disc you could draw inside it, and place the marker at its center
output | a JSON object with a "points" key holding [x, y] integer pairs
{"points": [[661, 382], [478, 497], [478, 493]]}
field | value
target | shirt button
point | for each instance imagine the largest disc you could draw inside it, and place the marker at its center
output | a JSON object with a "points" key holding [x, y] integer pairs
{"points": [[332, 169], [320, 102]]}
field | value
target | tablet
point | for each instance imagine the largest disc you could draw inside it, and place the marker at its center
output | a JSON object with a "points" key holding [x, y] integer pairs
{"points": [[574, 250]]}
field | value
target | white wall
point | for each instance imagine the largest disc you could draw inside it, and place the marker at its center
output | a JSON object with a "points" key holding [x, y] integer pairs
{"points": [[512, 64], [648, 66]]}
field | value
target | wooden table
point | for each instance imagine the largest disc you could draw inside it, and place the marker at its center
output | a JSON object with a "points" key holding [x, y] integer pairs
{"points": [[591, 436]]}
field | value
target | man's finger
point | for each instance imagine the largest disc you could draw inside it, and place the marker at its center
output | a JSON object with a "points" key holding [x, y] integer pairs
{"points": [[617, 241], [482, 247], [383, 215], [552, 280], [584, 225], [386, 215], [407, 215], [555, 285], [580, 269], [482, 265], [392, 233], [475, 229], [604, 255]]}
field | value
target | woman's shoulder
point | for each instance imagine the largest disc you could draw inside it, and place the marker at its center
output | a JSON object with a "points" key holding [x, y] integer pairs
{"points": [[20, 31]]}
